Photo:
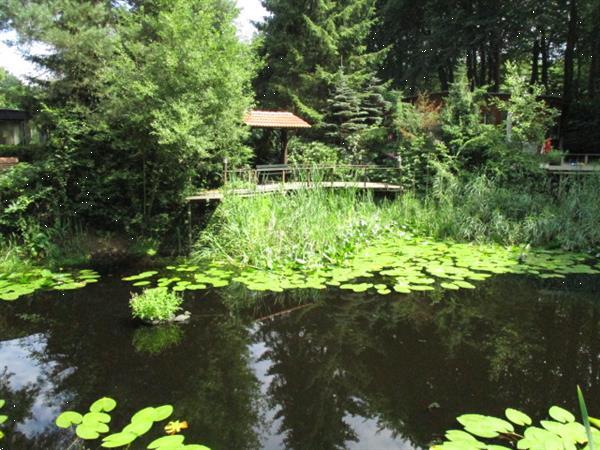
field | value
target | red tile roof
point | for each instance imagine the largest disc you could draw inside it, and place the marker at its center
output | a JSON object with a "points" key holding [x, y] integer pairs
{"points": [[274, 119]]}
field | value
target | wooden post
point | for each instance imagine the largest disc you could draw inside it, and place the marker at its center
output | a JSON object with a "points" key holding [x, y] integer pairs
{"points": [[189, 224], [284, 146], [225, 163]]}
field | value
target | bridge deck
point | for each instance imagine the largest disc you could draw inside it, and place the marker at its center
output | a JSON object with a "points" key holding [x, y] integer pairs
{"points": [[262, 189]]}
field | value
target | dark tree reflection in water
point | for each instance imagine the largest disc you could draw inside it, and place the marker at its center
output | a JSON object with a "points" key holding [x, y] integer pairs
{"points": [[304, 369]]}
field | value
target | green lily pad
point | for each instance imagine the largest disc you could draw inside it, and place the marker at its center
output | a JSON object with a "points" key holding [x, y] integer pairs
{"points": [[86, 432], [68, 418], [517, 417], [104, 404], [166, 441], [561, 415], [162, 412], [118, 440]]}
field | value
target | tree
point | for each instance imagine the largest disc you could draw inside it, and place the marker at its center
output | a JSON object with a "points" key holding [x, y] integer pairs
{"points": [[303, 44], [12, 92], [144, 100]]}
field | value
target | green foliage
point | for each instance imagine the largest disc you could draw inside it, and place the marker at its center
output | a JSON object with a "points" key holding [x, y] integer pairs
{"points": [[12, 91], [531, 118], [92, 425], [155, 340], [3, 418], [304, 43], [142, 104], [306, 153], [267, 230], [157, 304], [15, 284], [563, 432], [420, 150]]}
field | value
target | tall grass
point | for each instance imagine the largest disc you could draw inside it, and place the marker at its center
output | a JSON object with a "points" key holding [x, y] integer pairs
{"points": [[11, 257], [565, 216], [307, 227], [325, 225]]}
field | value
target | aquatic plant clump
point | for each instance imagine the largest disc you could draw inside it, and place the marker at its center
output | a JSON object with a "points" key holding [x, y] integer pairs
{"points": [[559, 431], [401, 263], [18, 284], [158, 304], [3, 418], [94, 424]]}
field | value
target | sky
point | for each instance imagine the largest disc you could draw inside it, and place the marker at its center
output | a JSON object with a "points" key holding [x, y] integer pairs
{"points": [[11, 59]]}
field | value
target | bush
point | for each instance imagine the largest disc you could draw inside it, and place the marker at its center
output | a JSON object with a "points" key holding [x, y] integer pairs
{"points": [[155, 304], [308, 153]]}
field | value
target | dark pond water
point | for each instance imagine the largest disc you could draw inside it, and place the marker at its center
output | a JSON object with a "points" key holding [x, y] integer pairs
{"points": [[302, 370]]}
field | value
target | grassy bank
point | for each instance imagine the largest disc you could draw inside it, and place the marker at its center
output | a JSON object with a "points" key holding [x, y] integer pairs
{"points": [[324, 226]]}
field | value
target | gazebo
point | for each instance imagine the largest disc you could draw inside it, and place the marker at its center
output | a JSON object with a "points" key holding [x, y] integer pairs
{"points": [[280, 120]]}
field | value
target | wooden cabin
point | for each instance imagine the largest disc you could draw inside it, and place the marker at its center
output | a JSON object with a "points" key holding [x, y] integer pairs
{"points": [[14, 127]]}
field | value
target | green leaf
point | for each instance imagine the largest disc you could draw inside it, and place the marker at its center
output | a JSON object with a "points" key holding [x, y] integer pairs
{"points": [[162, 412], [482, 431], [118, 439], [459, 435], [561, 415], [86, 432], [2, 403], [105, 404], [517, 417], [585, 416], [96, 417], [144, 415], [594, 421], [139, 428], [165, 441], [195, 447], [68, 418]]}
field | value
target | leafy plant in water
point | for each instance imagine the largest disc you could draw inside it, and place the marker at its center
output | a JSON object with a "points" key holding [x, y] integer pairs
{"points": [[155, 340], [156, 304], [3, 418], [18, 284], [562, 432], [406, 263], [91, 425]]}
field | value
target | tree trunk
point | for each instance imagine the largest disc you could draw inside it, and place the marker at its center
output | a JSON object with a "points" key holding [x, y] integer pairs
{"points": [[569, 65], [443, 76], [482, 65], [497, 64], [535, 62], [594, 75], [544, 51]]}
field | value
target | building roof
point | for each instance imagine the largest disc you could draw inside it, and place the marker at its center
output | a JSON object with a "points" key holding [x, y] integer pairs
{"points": [[12, 114], [274, 119]]}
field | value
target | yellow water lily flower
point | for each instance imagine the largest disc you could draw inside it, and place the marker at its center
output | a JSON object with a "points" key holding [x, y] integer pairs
{"points": [[175, 426]]}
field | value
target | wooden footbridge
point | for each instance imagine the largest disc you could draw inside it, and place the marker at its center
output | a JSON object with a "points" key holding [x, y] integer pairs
{"points": [[281, 178], [575, 163]]}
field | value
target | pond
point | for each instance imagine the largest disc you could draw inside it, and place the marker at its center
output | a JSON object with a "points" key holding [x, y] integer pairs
{"points": [[302, 369]]}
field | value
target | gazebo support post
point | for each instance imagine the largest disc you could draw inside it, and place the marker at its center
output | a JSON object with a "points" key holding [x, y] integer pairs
{"points": [[284, 146]]}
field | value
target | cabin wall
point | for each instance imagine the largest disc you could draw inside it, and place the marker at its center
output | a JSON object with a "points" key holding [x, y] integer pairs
{"points": [[14, 132]]}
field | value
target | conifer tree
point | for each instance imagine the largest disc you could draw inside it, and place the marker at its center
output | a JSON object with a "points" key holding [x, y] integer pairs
{"points": [[345, 113], [304, 43]]}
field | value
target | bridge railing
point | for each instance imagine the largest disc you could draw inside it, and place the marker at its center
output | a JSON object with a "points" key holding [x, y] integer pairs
{"points": [[580, 159], [282, 173]]}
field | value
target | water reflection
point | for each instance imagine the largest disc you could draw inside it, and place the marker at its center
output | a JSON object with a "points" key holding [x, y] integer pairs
{"points": [[302, 371]]}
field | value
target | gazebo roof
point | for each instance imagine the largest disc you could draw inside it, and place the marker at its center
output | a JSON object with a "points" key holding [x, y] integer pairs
{"points": [[274, 119]]}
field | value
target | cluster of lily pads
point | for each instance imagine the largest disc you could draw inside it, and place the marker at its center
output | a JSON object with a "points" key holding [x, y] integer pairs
{"points": [[18, 284], [93, 424], [3, 418], [561, 433], [403, 264]]}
